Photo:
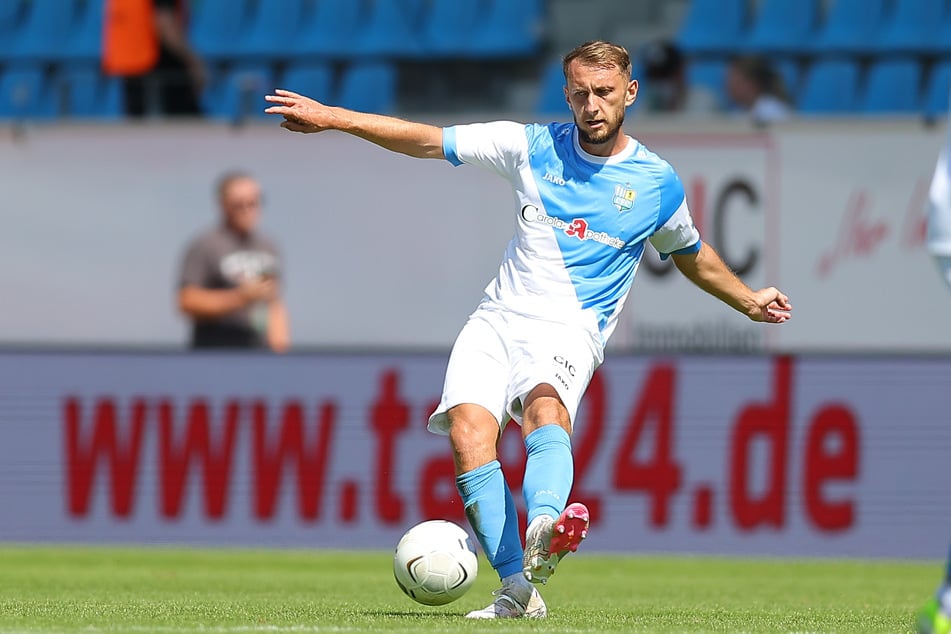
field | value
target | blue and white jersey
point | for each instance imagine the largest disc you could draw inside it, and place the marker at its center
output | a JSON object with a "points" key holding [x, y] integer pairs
{"points": [[581, 220]]}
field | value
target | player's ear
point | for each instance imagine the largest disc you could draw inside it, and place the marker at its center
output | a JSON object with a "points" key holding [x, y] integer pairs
{"points": [[631, 93]]}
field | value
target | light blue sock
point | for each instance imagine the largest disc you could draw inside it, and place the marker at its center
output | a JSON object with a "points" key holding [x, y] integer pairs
{"points": [[549, 471], [491, 511]]}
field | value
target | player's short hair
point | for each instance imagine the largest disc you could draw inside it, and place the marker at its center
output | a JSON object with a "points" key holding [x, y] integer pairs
{"points": [[601, 54], [224, 181]]}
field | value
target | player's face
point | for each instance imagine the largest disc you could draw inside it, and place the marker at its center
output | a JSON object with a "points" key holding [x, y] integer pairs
{"points": [[598, 97], [241, 204]]}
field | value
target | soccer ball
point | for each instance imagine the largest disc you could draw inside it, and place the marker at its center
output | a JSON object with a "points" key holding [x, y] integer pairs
{"points": [[435, 562]]}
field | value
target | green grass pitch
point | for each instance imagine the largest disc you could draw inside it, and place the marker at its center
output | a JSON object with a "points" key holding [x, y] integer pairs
{"points": [[91, 590]]}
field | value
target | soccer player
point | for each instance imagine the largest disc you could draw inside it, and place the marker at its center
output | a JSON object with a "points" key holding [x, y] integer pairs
{"points": [[587, 197], [935, 616]]}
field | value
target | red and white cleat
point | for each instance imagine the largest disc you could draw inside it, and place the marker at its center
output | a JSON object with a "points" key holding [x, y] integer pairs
{"points": [[549, 541]]}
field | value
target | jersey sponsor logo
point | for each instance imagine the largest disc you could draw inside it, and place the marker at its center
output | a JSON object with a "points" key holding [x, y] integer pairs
{"points": [[576, 228], [624, 197], [553, 178]]}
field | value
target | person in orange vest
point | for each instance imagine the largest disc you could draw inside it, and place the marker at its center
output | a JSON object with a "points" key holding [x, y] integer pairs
{"points": [[145, 42]]}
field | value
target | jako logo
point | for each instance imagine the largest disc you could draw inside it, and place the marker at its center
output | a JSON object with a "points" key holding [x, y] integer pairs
{"points": [[551, 178]]}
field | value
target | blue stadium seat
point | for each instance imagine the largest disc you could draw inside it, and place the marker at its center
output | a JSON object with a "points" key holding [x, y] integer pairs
{"points": [[850, 27], [217, 26], [314, 79], [84, 31], [10, 17], [892, 86], [84, 92], [551, 91], [781, 26], [507, 28], [238, 92], [389, 29], [369, 87], [942, 42], [25, 93], [937, 90], [447, 27], [41, 32], [710, 75], [791, 73], [831, 86], [328, 28], [713, 26], [911, 28], [270, 29]]}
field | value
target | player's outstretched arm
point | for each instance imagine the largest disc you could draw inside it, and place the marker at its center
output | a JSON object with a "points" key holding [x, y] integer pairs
{"points": [[303, 114], [709, 272]]}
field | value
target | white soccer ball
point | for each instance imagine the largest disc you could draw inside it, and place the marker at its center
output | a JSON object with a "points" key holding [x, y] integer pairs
{"points": [[435, 562]]}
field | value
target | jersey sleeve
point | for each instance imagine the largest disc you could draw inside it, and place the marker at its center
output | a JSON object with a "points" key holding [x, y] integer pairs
{"points": [[194, 267], [674, 231], [501, 146]]}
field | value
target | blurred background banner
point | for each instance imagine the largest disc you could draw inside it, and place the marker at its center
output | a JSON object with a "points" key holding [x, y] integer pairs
{"points": [[831, 212], [768, 455]]}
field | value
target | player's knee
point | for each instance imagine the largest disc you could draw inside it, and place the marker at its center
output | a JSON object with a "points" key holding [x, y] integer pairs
{"points": [[472, 433], [544, 407]]}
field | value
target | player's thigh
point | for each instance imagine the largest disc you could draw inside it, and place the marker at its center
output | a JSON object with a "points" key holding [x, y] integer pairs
{"points": [[563, 357], [477, 373]]}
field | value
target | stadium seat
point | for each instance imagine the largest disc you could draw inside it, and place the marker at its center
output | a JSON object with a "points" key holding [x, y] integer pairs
{"points": [[942, 41], [713, 26], [84, 31], [507, 28], [831, 86], [389, 29], [271, 25], [911, 28], [84, 92], [10, 15], [447, 27], [791, 73], [41, 31], [709, 75], [369, 87], [850, 27], [216, 27], [781, 26], [937, 91], [238, 92], [892, 86], [25, 94], [551, 91], [314, 79], [328, 28]]}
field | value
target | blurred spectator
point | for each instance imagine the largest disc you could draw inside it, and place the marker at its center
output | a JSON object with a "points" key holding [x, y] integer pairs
{"points": [[145, 42], [229, 284], [757, 88], [665, 87]]}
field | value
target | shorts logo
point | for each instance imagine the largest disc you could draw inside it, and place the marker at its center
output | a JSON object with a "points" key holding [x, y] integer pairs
{"points": [[562, 362]]}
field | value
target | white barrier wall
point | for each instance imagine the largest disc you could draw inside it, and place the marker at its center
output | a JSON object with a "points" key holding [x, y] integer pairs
{"points": [[799, 456], [383, 250]]}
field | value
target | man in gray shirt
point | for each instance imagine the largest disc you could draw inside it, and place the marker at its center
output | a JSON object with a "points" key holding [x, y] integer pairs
{"points": [[230, 278]]}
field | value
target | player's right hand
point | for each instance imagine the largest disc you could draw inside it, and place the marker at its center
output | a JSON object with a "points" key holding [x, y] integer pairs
{"points": [[301, 114]]}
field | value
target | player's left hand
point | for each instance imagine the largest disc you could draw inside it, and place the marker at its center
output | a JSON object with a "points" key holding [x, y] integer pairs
{"points": [[772, 307], [301, 114]]}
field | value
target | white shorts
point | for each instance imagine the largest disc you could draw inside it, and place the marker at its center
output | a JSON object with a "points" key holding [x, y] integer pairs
{"points": [[499, 357]]}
